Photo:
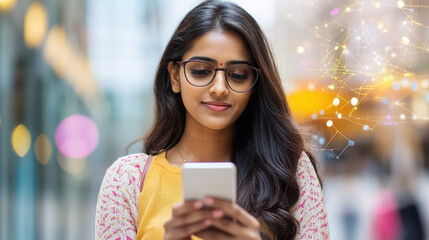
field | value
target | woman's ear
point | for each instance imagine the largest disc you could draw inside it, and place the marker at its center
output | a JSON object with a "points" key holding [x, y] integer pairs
{"points": [[173, 72]]}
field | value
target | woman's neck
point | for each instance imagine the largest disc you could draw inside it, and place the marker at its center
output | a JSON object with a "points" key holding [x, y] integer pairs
{"points": [[200, 144]]}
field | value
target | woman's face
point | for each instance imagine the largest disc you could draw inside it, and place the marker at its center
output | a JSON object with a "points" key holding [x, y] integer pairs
{"points": [[214, 106]]}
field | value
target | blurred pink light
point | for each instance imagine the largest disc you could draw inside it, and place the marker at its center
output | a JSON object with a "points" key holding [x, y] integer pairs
{"points": [[335, 11], [303, 65], [77, 136]]}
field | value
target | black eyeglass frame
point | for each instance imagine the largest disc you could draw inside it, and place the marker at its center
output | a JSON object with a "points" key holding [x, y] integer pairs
{"points": [[183, 64]]}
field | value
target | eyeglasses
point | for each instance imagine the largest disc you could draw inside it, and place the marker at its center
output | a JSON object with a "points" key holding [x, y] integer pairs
{"points": [[240, 78]]}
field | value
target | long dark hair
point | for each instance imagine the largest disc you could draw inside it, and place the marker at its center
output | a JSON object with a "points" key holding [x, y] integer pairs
{"points": [[267, 144]]}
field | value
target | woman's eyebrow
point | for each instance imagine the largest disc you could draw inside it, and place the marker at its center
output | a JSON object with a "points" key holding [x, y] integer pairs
{"points": [[231, 62], [207, 59]]}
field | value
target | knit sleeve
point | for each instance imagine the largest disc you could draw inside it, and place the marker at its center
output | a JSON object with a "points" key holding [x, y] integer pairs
{"points": [[117, 206], [310, 209]]}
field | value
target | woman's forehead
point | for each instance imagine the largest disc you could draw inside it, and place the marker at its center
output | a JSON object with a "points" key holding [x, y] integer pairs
{"points": [[222, 46]]}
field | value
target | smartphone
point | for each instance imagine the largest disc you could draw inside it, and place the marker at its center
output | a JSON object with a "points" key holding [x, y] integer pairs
{"points": [[215, 179]]}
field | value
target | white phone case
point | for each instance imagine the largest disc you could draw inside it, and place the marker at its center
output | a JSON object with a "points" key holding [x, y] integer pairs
{"points": [[216, 179]]}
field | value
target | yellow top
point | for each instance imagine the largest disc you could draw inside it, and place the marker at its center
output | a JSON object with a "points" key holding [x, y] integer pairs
{"points": [[161, 190]]}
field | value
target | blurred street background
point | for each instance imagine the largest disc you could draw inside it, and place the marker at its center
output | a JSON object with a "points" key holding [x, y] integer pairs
{"points": [[76, 79]]}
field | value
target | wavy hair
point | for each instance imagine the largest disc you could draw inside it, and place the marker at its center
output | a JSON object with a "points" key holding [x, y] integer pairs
{"points": [[267, 144]]}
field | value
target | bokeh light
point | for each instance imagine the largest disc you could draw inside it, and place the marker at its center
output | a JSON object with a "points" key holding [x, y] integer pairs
{"points": [[71, 165], [6, 5], [300, 49], [77, 136], [35, 25], [43, 149], [329, 123], [21, 140]]}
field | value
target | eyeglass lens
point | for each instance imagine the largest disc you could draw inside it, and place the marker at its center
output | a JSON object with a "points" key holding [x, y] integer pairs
{"points": [[240, 78]]}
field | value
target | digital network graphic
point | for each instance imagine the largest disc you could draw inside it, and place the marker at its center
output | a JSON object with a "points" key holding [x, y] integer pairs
{"points": [[373, 66]]}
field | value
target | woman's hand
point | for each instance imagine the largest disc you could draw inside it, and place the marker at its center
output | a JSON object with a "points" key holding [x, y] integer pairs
{"points": [[241, 226], [187, 218]]}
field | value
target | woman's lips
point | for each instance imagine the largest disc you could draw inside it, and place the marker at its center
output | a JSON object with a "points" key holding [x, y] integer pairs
{"points": [[217, 106]]}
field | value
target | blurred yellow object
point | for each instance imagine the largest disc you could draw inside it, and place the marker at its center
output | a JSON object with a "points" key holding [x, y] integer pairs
{"points": [[35, 25], [6, 5], [21, 140], [43, 149], [68, 63], [304, 103]]}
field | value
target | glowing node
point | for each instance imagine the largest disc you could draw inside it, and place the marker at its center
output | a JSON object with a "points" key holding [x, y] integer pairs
{"points": [[339, 115], [380, 26], [415, 117], [311, 86], [366, 127], [402, 117], [335, 11], [405, 82], [351, 143], [400, 4], [348, 9], [322, 112], [354, 101], [336, 101], [329, 123], [21, 140], [321, 141], [388, 117], [300, 49], [405, 40], [77, 136], [35, 25], [331, 87], [336, 47], [314, 116], [377, 5], [43, 149]]}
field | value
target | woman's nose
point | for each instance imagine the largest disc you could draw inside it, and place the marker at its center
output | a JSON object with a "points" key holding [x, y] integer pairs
{"points": [[219, 85]]}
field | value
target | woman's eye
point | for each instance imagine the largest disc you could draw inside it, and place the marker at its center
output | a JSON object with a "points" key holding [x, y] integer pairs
{"points": [[200, 73], [238, 77]]}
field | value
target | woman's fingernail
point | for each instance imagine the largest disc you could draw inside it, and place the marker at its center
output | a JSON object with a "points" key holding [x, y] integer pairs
{"points": [[198, 204], [209, 201], [217, 213]]}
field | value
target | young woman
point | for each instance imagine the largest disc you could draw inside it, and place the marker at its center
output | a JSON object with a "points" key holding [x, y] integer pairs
{"points": [[219, 97]]}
